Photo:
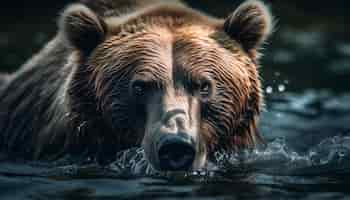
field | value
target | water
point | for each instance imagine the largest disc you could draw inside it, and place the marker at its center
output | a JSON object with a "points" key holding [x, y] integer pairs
{"points": [[306, 72]]}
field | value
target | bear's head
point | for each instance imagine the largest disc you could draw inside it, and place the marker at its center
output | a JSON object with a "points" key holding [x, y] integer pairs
{"points": [[181, 84]]}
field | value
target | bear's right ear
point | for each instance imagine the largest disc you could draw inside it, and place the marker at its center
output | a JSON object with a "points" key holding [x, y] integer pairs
{"points": [[250, 24], [82, 28]]}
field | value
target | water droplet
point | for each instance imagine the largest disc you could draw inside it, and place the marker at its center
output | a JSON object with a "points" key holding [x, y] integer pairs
{"points": [[277, 74], [281, 88], [341, 153], [269, 90]]}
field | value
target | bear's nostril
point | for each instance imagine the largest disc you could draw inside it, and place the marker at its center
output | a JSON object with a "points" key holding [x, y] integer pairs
{"points": [[176, 154]]}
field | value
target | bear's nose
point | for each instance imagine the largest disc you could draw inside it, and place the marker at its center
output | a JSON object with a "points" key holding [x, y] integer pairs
{"points": [[176, 153], [174, 121]]}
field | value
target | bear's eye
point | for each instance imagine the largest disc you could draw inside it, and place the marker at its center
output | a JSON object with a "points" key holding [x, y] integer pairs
{"points": [[205, 89], [139, 88]]}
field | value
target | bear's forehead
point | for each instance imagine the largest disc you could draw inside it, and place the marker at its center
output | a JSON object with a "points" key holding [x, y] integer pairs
{"points": [[172, 26], [169, 39], [191, 37], [192, 45], [159, 53]]}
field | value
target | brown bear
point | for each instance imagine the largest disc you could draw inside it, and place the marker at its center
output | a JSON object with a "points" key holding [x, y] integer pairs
{"points": [[126, 73]]}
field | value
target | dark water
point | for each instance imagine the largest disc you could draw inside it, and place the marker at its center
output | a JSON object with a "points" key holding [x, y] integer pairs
{"points": [[306, 123]]}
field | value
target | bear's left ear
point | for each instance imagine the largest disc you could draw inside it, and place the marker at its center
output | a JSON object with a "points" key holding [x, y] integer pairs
{"points": [[82, 28], [250, 24]]}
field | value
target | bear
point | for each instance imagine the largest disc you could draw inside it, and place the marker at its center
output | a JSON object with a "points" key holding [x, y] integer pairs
{"points": [[154, 74]]}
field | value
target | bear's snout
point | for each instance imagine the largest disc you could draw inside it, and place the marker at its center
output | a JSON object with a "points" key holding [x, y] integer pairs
{"points": [[171, 140], [176, 152], [176, 148]]}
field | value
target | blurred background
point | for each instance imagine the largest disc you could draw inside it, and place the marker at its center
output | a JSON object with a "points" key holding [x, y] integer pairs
{"points": [[309, 50]]}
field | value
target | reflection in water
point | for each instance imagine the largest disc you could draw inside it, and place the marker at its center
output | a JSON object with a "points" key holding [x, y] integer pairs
{"points": [[301, 157]]}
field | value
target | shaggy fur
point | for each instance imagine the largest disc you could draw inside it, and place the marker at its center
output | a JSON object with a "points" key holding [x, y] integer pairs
{"points": [[73, 96]]}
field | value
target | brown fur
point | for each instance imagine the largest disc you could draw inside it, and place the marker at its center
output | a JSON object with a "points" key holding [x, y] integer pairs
{"points": [[90, 109]]}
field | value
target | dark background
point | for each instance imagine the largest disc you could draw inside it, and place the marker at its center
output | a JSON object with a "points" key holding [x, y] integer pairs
{"points": [[309, 50]]}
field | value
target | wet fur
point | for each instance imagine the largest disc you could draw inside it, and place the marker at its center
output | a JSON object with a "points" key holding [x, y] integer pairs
{"points": [[60, 101]]}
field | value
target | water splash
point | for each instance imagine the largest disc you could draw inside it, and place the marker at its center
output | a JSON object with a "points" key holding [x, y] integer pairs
{"points": [[277, 163], [132, 161], [276, 158]]}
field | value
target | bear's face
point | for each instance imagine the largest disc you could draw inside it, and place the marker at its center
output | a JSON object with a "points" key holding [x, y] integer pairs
{"points": [[179, 83]]}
